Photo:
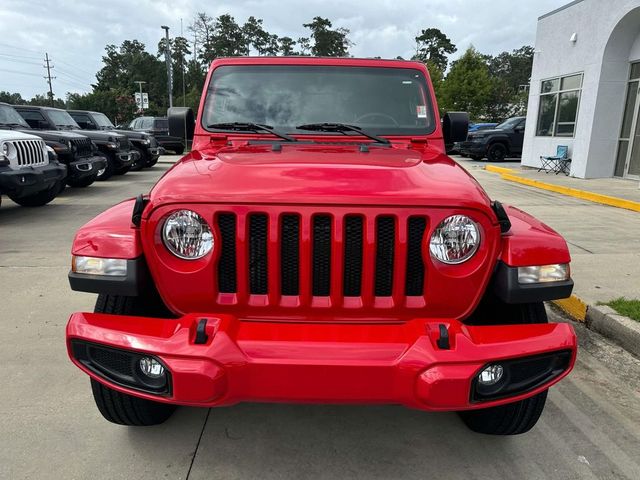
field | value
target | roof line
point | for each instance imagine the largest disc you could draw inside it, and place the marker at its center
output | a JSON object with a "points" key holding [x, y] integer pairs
{"points": [[564, 7]]}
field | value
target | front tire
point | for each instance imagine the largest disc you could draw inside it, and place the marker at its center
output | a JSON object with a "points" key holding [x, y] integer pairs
{"points": [[118, 407], [497, 152], [476, 157], [38, 199], [517, 417], [85, 182], [124, 409]]}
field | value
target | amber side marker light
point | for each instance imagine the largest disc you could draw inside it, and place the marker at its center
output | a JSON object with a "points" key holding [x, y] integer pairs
{"points": [[110, 267]]}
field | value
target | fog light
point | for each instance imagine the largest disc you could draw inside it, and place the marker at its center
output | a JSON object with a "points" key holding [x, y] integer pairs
{"points": [[491, 375], [151, 367]]}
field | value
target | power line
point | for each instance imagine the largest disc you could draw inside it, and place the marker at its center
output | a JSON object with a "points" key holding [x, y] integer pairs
{"points": [[19, 73], [15, 60]]}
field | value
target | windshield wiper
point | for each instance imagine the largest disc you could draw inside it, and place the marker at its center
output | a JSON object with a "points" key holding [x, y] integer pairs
{"points": [[342, 128], [251, 127]]}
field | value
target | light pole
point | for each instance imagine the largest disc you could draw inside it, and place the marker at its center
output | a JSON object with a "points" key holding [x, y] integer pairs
{"points": [[139, 82], [167, 57]]}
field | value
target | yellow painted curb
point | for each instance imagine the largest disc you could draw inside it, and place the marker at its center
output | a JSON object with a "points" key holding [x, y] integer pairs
{"points": [[493, 168], [573, 306], [512, 176]]}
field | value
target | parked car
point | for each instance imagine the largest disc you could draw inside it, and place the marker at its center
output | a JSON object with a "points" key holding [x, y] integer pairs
{"points": [[27, 175], [347, 261], [473, 127], [76, 151], [505, 140], [114, 147], [159, 128], [144, 144]]}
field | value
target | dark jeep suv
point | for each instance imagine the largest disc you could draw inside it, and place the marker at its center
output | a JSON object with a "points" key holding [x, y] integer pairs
{"points": [[143, 144], [159, 128], [505, 140], [114, 147], [73, 150]]}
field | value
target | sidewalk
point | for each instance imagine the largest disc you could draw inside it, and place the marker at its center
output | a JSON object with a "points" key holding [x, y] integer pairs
{"points": [[604, 241]]}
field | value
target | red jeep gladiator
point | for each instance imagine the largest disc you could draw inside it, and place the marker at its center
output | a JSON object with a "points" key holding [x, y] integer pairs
{"points": [[317, 245]]}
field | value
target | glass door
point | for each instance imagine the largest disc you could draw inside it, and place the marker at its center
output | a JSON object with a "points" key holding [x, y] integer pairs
{"points": [[628, 158]]}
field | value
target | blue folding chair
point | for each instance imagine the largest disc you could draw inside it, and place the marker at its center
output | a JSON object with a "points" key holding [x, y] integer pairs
{"points": [[558, 163]]}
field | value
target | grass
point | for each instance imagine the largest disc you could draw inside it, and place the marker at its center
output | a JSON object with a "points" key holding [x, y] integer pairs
{"points": [[628, 308]]}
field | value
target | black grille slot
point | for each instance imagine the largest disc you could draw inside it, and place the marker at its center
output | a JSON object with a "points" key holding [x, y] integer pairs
{"points": [[227, 276], [83, 147], [385, 237], [321, 255], [258, 254], [352, 274], [289, 254], [414, 281], [112, 361]]}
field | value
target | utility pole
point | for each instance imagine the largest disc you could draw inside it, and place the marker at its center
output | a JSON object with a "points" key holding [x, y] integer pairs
{"points": [[167, 57], [141, 102], [48, 78], [184, 94]]}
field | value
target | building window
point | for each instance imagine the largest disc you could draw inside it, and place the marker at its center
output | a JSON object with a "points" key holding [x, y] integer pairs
{"points": [[559, 99]]}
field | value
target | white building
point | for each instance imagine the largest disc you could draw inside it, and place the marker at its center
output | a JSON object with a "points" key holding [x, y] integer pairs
{"points": [[584, 88]]}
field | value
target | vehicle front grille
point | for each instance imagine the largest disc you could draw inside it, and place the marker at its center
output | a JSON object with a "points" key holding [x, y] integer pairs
{"points": [[123, 144], [30, 152], [82, 147], [347, 259]]}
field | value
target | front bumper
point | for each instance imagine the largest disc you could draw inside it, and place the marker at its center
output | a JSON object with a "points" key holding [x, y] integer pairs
{"points": [[319, 362], [28, 180], [86, 167], [472, 148]]}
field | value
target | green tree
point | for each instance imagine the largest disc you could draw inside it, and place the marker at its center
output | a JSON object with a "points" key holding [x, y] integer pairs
{"points": [[433, 48], [510, 73], [328, 42], [286, 45], [257, 37], [305, 46], [468, 86], [11, 98], [226, 40]]}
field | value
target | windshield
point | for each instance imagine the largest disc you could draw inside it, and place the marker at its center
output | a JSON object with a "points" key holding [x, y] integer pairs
{"points": [[380, 100], [102, 120], [60, 118], [509, 123], [8, 116]]}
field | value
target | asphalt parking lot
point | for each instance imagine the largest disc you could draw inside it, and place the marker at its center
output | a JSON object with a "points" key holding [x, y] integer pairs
{"points": [[51, 428]]}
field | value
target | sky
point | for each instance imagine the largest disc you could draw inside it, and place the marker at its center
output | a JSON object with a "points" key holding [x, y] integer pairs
{"points": [[74, 33]]}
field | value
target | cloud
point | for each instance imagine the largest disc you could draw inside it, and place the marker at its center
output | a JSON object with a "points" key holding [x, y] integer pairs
{"points": [[74, 32]]}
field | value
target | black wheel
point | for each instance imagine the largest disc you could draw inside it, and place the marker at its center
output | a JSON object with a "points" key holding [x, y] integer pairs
{"points": [[464, 155], [40, 198], [152, 161], [124, 409], [517, 417], [476, 157], [141, 162], [119, 407], [511, 419], [497, 152], [108, 171], [179, 151], [84, 182]]}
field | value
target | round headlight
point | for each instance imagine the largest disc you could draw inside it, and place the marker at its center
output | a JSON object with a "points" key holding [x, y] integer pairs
{"points": [[455, 240], [187, 235], [4, 149]]}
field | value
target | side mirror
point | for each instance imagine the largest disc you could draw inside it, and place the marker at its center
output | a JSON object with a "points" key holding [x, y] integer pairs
{"points": [[88, 126], [519, 129], [181, 122], [42, 125], [454, 127]]}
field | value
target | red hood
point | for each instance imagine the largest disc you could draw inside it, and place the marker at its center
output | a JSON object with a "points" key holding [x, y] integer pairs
{"points": [[320, 174]]}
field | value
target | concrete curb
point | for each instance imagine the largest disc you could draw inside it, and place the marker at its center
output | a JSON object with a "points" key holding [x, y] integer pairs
{"points": [[609, 323], [513, 176]]}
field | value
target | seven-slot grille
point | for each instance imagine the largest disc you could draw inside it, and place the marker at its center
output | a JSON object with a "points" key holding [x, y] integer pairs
{"points": [[350, 257], [82, 147], [31, 152]]}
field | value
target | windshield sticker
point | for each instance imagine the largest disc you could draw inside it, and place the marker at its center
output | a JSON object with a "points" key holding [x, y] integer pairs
{"points": [[407, 82], [421, 111]]}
